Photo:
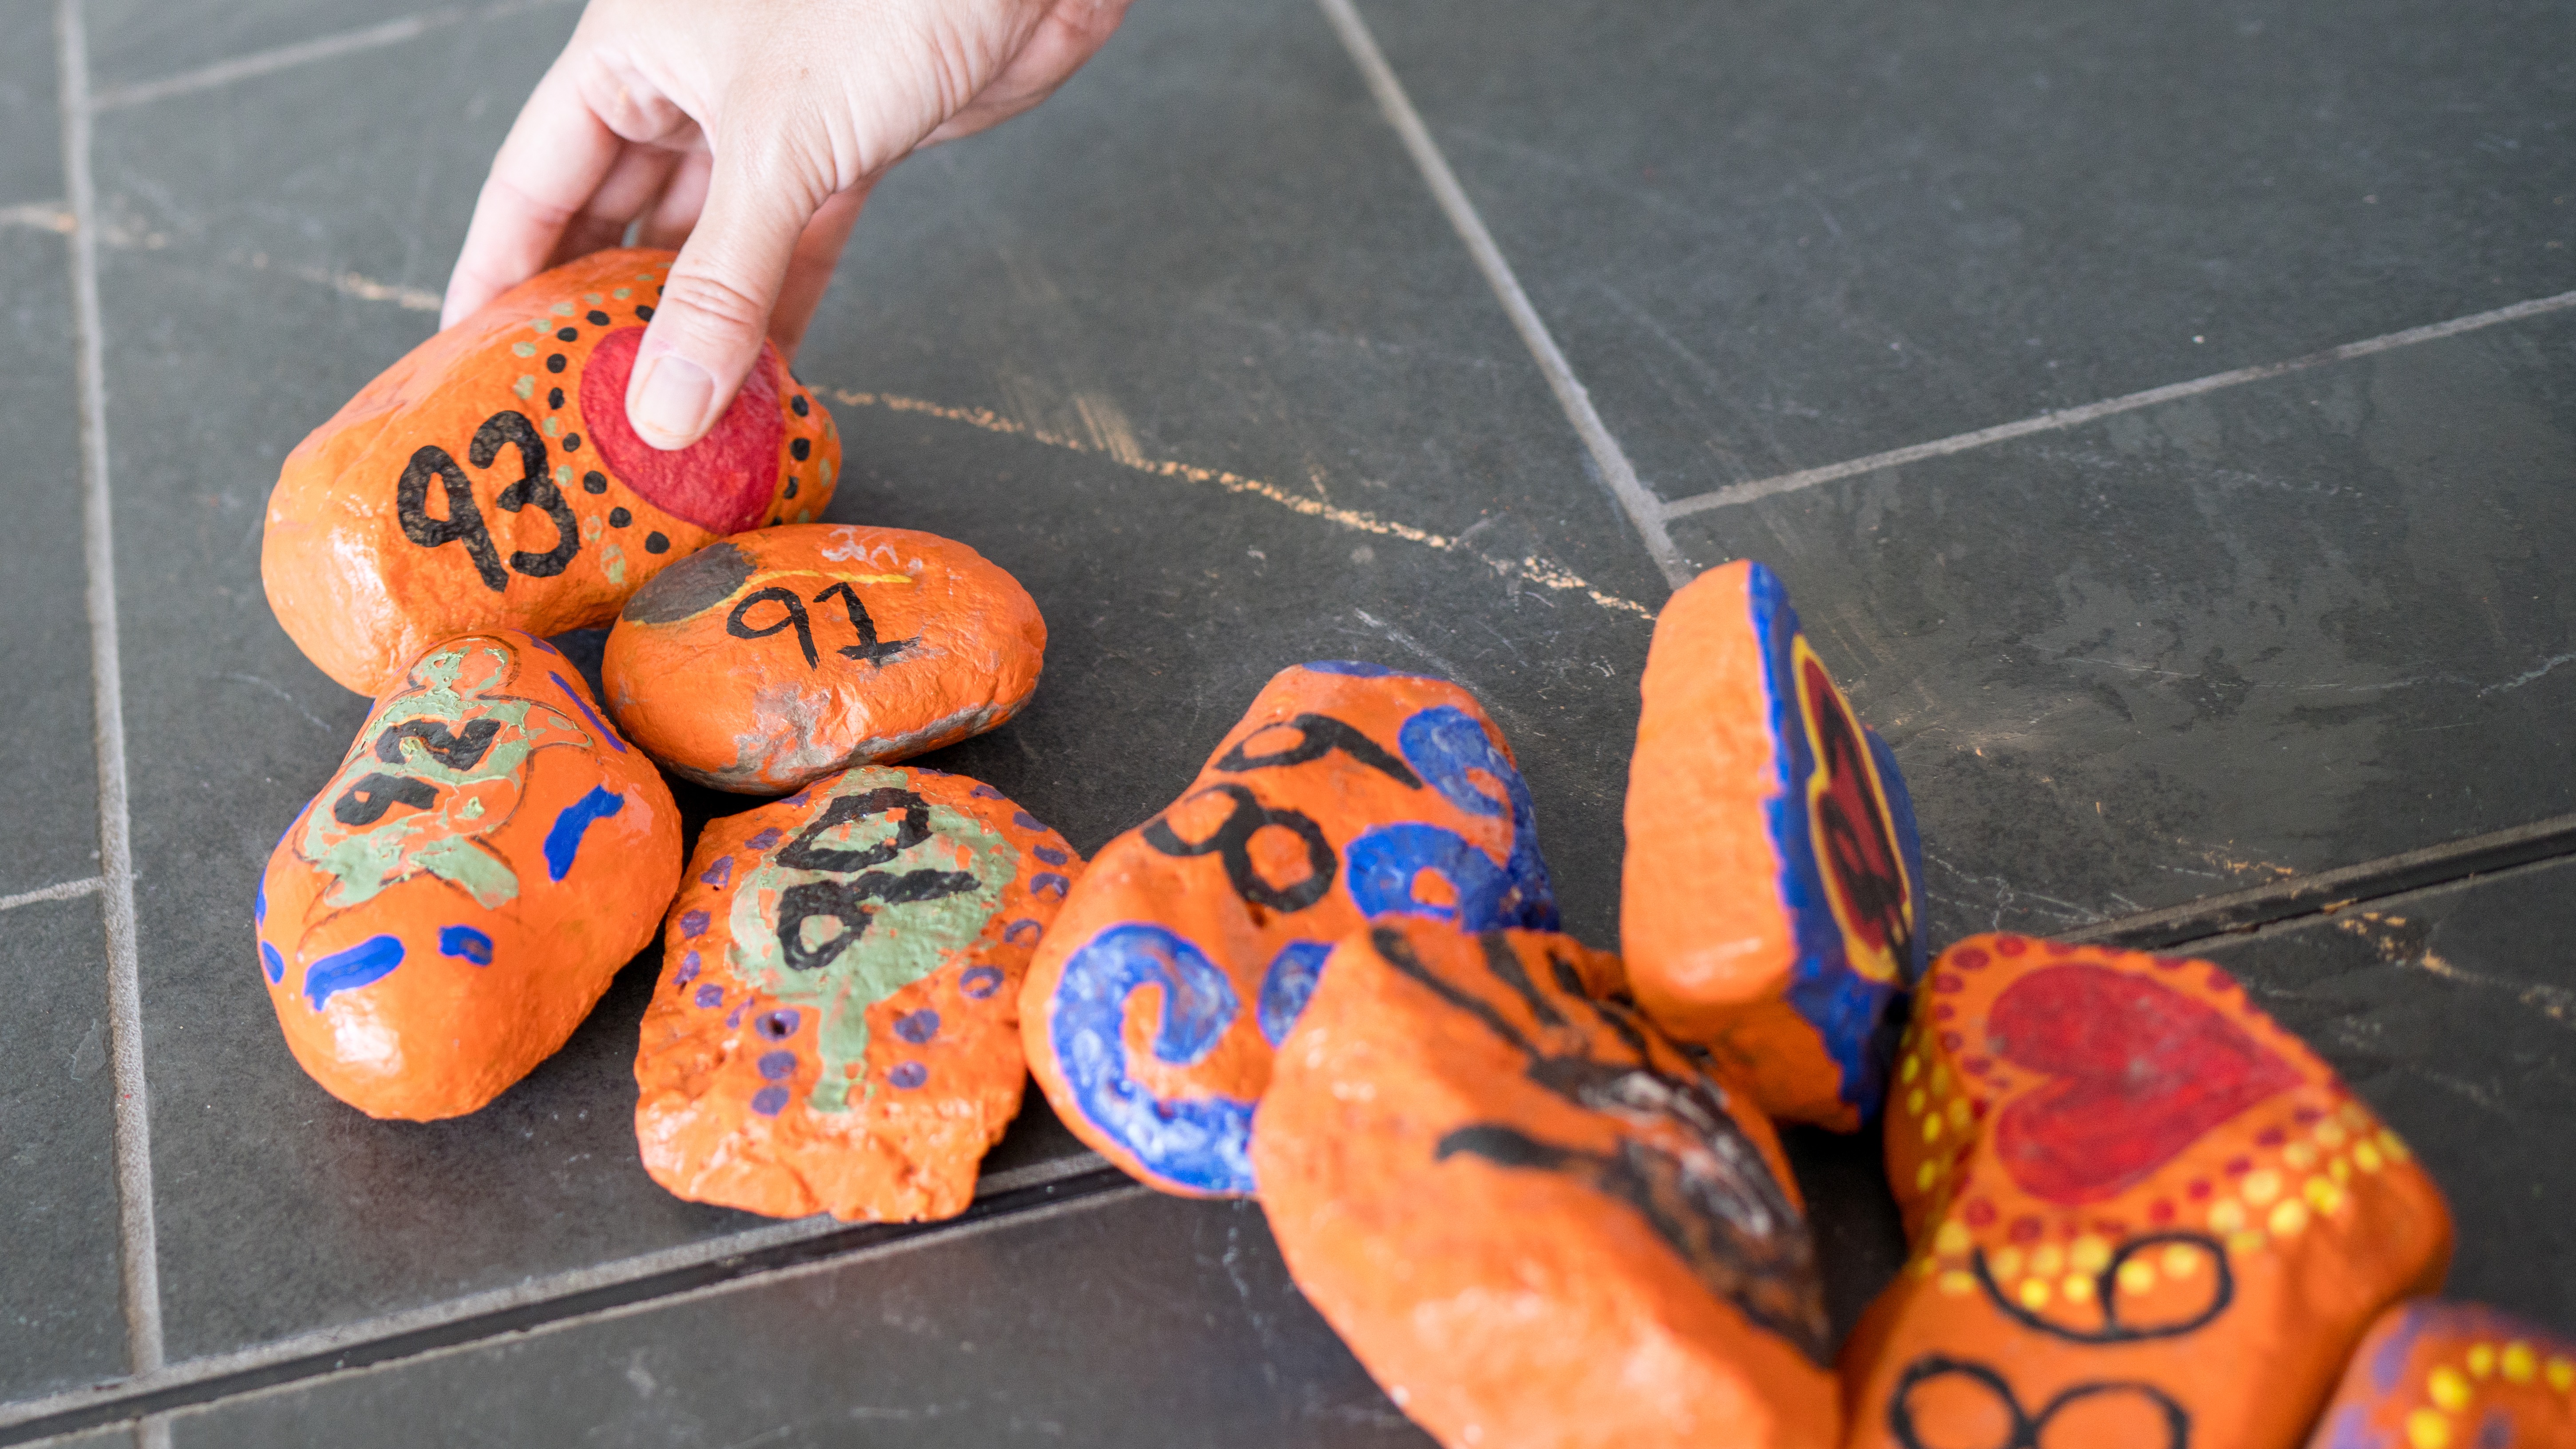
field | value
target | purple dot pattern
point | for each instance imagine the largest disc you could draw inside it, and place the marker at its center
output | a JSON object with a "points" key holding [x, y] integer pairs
{"points": [[980, 982], [1020, 929], [1051, 855], [987, 792], [711, 995], [1048, 883], [917, 1027], [688, 971], [908, 1075], [765, 839], [778, 1066], [777, 1025], [1026, 821], [693, 924], [769, 1101], [735, 1019], [719, 874]]}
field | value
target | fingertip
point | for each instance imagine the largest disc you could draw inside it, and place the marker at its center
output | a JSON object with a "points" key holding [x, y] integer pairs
{"points": [[671, 400]]}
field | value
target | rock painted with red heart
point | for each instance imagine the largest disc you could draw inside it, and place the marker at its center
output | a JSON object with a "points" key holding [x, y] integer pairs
{"points": [[461, 892], [2434, 1374], [1770, 902], [490, 478], [2141, 1212]]}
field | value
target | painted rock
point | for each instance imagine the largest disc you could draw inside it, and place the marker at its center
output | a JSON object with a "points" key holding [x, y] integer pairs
{"points": [[1530, 1215], [453, 903], [1346, 793], [836, 1028], [1771, 903], [2141, 1212], [490, 479], [781, 656], [2435, 1375]]}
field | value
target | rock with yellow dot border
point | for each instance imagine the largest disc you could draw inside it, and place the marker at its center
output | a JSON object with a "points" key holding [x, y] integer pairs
{"points": [[2437, 1375], [489, 479], [2140, 1212]]}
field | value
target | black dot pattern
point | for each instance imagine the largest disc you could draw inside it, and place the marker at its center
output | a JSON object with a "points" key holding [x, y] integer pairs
{"points": [[567, 334], [554, 397], [594, 482], [555, 362], [644, 312], [799, 404], [619, 518], [791, 487], [656, 543], [572, 442], [801, 449], [598, 319]]}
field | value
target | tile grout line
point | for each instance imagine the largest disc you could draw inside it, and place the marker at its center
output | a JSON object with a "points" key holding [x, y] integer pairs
{"points": [[288, 57], [135, 1232], [2064, 418], [1643, 511], [68, 890]]}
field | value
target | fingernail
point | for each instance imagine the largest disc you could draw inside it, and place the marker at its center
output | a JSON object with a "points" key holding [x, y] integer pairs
{"points": [[669, 405]]}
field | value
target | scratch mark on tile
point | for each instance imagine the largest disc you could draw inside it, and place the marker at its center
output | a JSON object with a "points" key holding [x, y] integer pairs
{"points": [[1534, 568], [50, 216], [292, 702], [2528, 675], [68, 890]]}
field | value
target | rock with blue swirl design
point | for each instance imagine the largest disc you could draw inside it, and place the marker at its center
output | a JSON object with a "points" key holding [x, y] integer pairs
{"points": [[1347, 793], [460, 893]]}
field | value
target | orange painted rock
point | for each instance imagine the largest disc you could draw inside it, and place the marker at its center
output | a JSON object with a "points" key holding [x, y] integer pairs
{"points": [[781, 656], [1532, 1217], [2435, 1375], [453, 903], [2141, 1212], [837, 1024], [1346, 793], [1771, 901], [490, 479]]}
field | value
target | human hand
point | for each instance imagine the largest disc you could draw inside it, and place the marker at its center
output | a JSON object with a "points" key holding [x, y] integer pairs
{"points": [[747, 135]]}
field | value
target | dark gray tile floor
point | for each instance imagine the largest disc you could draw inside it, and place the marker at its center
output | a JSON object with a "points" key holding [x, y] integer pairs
{"points": [[1194, 353]]}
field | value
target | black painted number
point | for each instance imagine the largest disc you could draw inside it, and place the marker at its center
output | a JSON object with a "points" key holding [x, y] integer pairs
{"points": [[464, 522], [876, 652]]}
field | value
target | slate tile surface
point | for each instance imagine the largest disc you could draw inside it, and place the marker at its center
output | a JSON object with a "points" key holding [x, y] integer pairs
{"points": [[61, 1323], [1379, 379], [31, 160], [2292, 625], [1134, 1317], [1780, 235], [2451, 1011]]}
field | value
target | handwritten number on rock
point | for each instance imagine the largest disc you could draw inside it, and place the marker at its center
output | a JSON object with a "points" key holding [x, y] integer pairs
{"points": [[464, 521], [1232, 841], [867, 648], [853, 902], [2106, 1293], [2023, 1429], [738, 623]]}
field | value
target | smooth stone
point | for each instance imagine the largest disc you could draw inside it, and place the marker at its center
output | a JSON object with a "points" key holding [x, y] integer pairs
{"points": [[2138, 1208], [489, 479], [1346, 792], [456, 900], [836, 1027], [2432, 1374], [780, 656], [1529, 1213], [1771, 900]]}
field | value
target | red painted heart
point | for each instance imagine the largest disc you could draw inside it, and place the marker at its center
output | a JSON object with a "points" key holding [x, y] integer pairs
{"points": [[723, 481], [2142, 1071]]}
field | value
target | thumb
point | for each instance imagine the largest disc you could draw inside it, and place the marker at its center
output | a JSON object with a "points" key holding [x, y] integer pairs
{"points": [[714, 310]]}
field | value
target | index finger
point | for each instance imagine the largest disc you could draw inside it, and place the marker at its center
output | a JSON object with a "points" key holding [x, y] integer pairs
{"points": [[555, 157]]}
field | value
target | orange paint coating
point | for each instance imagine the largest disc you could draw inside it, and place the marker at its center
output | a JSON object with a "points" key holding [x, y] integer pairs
{"points": [[457, 898], [866, 646], [1345, 792], [836, 1026], [1531, 1217], [1770, 903], [2115, 1169], [2437, 1375], [366, 558]]}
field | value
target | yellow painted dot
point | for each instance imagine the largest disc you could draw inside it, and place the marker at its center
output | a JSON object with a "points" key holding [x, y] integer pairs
{"points": [[1956, 1283], [1931, 1129], [2261, 1186], [2426, 1429], [1940, 1079], [2006, 1264], [2181, 1261], [1912, 1065], [2288, 1218], [2481, 1359], [2047, 1258], [2136, 1276], [1925, 1267], [2033, 1294], [2562, 1374], [2356, 1114], [2393, 1145], [2365, 1155], [2089, 1255], [2227, 1216], [2447, 1388], [1959, 1113], [2338, 1169], [1914, 1102], [2077, 1288], [2519, 1363], [1926, 1175], [2249, 1241], [2299, 1155], [2322, 1195], [2330, 1133], [1952, 1239]]}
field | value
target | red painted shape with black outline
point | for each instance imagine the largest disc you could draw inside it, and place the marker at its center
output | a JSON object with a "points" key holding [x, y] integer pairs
{"points": [[722, 482]]}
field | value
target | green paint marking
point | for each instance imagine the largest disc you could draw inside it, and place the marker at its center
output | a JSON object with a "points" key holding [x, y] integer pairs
{"points": [[563, 472], [561, 309], [523, 349], [902, 944], [525, 387], [622, 293], [554, 429]]}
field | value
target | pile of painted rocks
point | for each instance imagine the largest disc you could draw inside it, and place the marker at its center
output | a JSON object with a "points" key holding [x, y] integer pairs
{"points": [[1538, 1188]]}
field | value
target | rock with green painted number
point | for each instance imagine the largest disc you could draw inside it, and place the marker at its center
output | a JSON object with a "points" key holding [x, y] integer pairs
{"points": [[836, 1028]]}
